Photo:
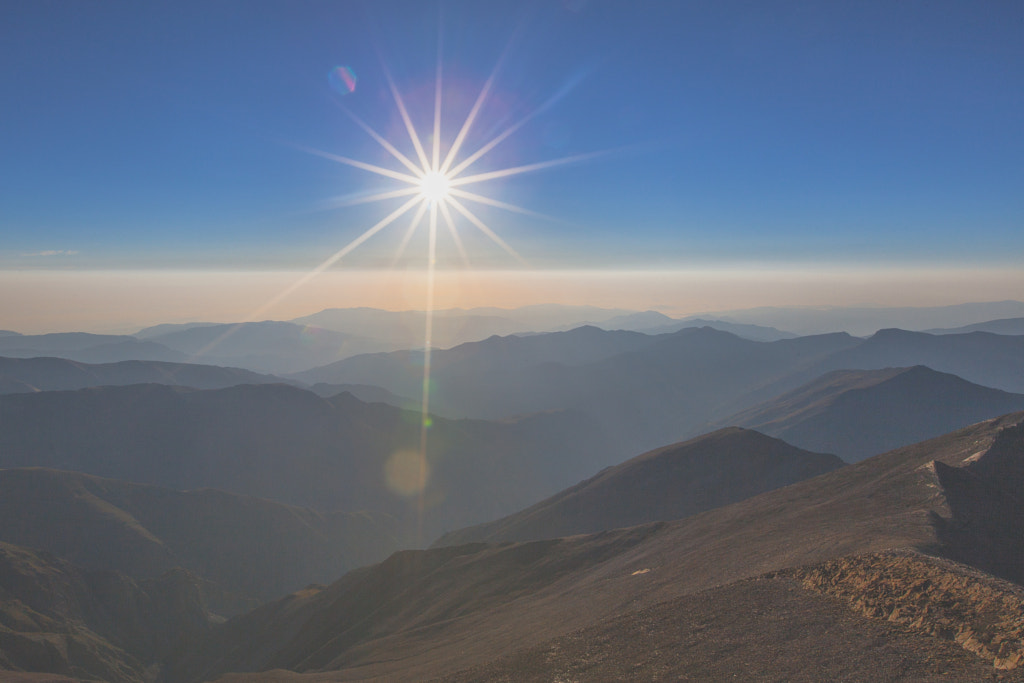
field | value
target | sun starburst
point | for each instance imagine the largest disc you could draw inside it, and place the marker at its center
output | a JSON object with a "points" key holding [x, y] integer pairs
{"points": [[432, 184]]}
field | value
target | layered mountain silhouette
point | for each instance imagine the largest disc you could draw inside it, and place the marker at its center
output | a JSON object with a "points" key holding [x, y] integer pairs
{"points": [[865, 321], [906, 564], [367, 393], [286, 444], [647, 390], [247, 550], [859, 413], [86, 348], [144, 501], [27, 375], [651, 390], [745, 331], [992, 360], [676, 481], [1001, 326], [269, 346]]}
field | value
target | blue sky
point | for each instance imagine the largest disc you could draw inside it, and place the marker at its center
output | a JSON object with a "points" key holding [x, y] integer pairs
{"points": [[170, 135]]}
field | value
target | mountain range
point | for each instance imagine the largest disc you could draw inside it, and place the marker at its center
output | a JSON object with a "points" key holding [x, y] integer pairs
{"points": [[246, 550], [655, 389], [29, 375], [287, 444], [859, 413], [334, 334], [669, 483], [906, 562], [864, 321], [167, 522]]}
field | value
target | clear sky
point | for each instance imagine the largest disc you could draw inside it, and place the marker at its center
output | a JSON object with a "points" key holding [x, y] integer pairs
{"points": [[165, 142]]}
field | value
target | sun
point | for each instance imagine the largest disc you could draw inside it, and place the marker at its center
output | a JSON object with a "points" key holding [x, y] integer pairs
{"points": [[435, 187]]}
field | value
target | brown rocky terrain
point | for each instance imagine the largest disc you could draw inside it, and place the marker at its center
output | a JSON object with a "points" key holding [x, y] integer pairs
{"points": [[92, 625], [426, 614], [982, 614]]}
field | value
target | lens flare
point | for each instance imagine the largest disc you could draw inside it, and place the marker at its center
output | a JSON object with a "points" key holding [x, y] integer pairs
{"points": [[406, 473], [342, 80]]}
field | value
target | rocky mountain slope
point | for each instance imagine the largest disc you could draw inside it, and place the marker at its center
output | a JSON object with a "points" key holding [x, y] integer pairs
{"points": [[950, 506], [669, 483], [92, 625]]}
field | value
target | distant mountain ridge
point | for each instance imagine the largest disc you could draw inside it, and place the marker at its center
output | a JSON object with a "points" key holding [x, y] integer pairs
{"points": [[859, 413], [26, 375], [268, 346], [1013, 326], [987, 359], [649, 390], [669, 483], [86, 348], [865, 321]]}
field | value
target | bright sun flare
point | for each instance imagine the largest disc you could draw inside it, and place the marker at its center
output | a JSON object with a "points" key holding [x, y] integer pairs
{"points": [[434, 187]]}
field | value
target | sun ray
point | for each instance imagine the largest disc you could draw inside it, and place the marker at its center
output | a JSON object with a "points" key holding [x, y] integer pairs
{"points": [[528, 168], [480, 199], [409, 232], [467, 124], [408, 121], [436, 142], [405, 161], [392, 194], [484, 229], [337, 256], [427, 350], [454, 233], [488, 147], [379, 170], [498, 139]]}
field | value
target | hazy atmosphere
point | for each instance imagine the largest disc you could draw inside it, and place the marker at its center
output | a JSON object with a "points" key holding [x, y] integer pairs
{"points": [[450, 341], [737, 154]]}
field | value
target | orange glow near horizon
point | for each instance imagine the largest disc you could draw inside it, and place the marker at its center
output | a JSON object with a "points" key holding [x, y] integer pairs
{"points": [[125, 301]]}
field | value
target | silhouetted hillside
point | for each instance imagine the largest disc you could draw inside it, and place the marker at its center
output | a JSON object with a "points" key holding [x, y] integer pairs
{"points": [[251, 549], [751, 332], [647, 390], [93, 625], [496, 361], [86, 348], [991, 360], [395, 330], [1002, 326], [290, 445], [669, 483], [365, 393], [859, 413], [269, 346], [23, 375], [865, 321]]}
